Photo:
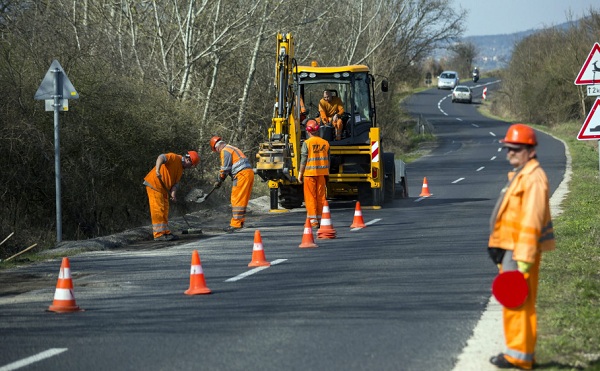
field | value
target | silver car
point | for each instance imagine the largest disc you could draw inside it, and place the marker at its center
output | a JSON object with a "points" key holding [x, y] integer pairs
{"points": [[462, 93], [448, 80]]}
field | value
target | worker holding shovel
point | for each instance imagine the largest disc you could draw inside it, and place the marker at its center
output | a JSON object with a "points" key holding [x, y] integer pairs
{"points": [[161, 183], [234, 164]]}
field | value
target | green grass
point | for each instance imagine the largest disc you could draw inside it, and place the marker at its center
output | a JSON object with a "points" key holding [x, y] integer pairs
{"points": [[569, 294]]}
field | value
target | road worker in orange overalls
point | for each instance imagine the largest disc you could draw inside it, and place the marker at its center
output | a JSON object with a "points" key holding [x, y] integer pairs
{"points": [[331, 110], [161, 183], [521, 229], [314, 171], [234, 164]]}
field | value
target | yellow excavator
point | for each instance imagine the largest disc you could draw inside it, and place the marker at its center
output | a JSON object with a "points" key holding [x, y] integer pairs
{"points": [[359, 168]]}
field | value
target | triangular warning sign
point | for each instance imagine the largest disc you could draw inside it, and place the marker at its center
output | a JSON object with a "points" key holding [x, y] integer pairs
{"points": [[590, 72], [65, 88], [591, 126]]}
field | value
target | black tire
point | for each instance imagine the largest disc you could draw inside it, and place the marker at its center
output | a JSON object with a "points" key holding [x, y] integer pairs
{"points": [[291, 196], [389, 169]]}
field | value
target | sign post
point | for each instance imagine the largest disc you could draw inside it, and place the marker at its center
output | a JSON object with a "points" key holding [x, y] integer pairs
{"points": [[56, 86]]}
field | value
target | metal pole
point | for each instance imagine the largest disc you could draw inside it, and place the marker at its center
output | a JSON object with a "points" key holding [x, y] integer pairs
{"points": [[57, 99]]}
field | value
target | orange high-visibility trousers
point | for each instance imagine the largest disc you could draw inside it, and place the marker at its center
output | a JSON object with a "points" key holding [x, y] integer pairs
{"points": [[314, 196], [520, 324], [159, 212], [338, 125], [240, 196]]}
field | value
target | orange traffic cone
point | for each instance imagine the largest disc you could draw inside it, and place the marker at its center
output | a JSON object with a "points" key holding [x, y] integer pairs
{"points": [[258, 253], [307, 237], [64, 301], [425, 189], [197, 282], [358, 221], [326, 230]]}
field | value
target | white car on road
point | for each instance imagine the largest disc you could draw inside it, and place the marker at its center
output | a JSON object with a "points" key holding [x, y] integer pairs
{"points": [[448, 80]]}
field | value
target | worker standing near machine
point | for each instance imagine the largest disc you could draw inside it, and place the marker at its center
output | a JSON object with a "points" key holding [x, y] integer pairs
{"points": [[331, 110], [161, 183], [314, 171], [234, 164]]}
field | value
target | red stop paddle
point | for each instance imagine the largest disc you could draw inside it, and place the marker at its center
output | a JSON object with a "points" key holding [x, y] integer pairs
{"points": [[510, 289]]}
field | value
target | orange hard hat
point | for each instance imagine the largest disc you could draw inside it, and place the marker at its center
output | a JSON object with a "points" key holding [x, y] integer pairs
{"points": [[193, 155], [312, 126], [520, 134], [213, 142]]}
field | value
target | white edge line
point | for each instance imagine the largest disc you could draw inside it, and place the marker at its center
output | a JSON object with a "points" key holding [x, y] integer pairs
{"points": [[367, 223], [252, 271], [36, 358]]}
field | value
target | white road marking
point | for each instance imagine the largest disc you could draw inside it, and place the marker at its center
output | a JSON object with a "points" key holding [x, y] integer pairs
{"points": [[367, 223], [481, 168], [493, 158], [252, 271], [458, 180], [492, 134], [36, 358]]}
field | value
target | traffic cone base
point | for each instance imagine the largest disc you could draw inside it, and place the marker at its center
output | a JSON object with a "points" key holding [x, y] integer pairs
{"points": [[425, 189], [258, 253], [64, 300], [307, 237], [326, 230], [197, 281], [358, 221]]}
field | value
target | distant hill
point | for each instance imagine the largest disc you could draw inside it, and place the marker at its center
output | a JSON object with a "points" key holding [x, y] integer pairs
{"points": [[494, 51]]}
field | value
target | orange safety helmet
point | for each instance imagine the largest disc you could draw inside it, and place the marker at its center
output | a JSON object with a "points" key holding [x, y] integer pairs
{"points": [[520, 134], [193, 155], [312, 126], [213, 142]]}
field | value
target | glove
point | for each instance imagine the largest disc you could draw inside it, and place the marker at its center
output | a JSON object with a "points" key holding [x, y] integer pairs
{"points": [[217, 184], [524, 266]]}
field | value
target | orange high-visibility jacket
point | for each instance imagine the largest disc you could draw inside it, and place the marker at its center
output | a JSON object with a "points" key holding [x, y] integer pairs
{"points": [[171, 173], [232, 162], [523, 223], [328, 109], [315, 155]]}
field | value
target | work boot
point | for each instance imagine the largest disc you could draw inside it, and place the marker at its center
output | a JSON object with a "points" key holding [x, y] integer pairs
{"points": [[166, 237], [231, 229], [501, 362]]}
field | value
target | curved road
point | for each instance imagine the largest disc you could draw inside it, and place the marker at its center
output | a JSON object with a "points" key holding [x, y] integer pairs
{"points": [[404, 293]]}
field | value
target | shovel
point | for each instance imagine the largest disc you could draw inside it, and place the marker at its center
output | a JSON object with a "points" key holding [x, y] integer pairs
{"points": [[189, 230], [203, 198]]}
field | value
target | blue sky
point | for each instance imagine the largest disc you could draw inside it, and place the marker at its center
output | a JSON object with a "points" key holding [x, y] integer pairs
{"points": [[508, 16]]}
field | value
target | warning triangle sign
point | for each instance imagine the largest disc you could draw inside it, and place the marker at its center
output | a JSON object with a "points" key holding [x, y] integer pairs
{"points": [[590, 72], [591, 126], [57, 75]]}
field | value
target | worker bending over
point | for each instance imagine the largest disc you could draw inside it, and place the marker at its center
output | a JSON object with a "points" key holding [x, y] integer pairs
{"points": [[161, 183], [234, 164]]}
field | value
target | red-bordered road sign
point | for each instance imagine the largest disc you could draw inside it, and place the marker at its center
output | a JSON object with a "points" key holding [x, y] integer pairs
{"points": [[591, 126], [590, 72]]}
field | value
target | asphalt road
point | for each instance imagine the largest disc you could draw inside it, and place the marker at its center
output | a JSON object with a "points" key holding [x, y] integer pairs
{"points": [[404, 293]]}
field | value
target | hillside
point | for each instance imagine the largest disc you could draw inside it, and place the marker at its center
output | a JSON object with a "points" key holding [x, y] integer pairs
{"points": [[494, 51]]}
